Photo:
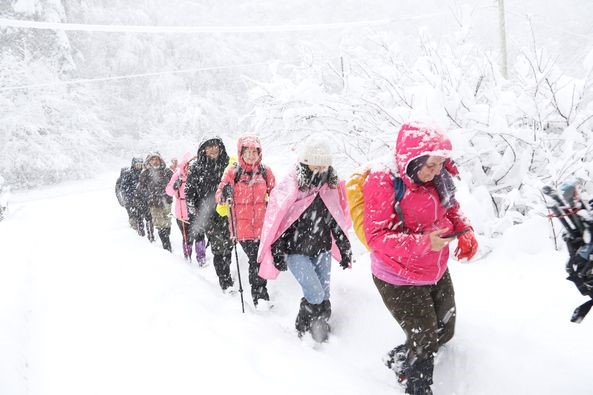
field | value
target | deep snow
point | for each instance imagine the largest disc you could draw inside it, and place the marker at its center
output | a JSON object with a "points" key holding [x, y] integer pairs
{"points": [[89, 307]]}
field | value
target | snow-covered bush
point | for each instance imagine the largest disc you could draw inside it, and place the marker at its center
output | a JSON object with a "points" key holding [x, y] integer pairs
{"points": [[510, 136]]}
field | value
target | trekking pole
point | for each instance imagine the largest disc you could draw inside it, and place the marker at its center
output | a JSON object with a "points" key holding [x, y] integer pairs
{"points": [[234, 235]]}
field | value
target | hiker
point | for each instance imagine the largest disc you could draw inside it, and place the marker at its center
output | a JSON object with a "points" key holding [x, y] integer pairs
{"points": [[203, 178], [246, 187], [185, 219], [409, 250], [306, 222], [151, 186], [136, 207]]}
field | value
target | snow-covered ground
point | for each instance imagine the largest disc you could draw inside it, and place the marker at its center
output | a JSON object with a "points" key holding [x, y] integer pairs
{"points": [[89, 307]]}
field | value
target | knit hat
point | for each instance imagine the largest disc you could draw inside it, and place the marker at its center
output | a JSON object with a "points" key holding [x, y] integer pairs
{"points": [[315, 151]]}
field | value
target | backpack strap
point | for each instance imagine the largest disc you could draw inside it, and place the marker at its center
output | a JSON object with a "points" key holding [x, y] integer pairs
{"points": [[400, 189], [262, 170]]}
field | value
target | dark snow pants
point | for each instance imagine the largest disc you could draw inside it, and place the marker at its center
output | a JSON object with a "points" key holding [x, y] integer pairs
{"points": [[425, 313], [221, 245], [258, 284]]}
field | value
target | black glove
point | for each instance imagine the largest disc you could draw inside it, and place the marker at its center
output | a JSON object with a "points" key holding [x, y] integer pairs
{"points": [[280, 262], [345, 262], [177, 184], [227, 193]]}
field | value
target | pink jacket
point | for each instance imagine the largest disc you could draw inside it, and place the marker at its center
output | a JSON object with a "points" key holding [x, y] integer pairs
{"points": [[286, 205], [179, 194], [405, 257], [249, 193]]}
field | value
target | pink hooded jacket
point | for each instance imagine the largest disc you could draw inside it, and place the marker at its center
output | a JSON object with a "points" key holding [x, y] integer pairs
{"points": [[250, 192], [179, 194], [286, 205], [405, 257]]}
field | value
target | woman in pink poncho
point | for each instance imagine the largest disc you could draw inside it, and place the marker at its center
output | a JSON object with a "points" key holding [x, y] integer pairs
{"points": [[306, 223]]}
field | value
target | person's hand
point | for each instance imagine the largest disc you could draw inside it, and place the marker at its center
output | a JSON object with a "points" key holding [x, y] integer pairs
{"points": [[177, 184], [227, 193], [346, 262], [467, 246], [280, 262], [437, 243]]}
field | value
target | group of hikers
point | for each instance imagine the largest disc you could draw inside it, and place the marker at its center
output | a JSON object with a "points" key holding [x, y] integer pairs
{"points": [[301, 222]]}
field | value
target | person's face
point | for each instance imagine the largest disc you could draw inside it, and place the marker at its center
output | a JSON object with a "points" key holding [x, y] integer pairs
{"points": [[318, 169], [250, 155], [212, 151], [432, 167], [154, 161], [138, 166]]}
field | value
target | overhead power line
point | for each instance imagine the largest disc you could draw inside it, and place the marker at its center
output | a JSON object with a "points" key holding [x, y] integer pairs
{"points": [[186, 29], [129, 76]]}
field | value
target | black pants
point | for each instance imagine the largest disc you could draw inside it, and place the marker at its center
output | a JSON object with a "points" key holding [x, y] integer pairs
{"points": [[258, 284], [426, 313]]}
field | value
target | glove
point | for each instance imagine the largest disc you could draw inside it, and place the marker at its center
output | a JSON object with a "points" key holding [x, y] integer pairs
{"points": [[467, 246], [345, 263], [227, 193], [177, 184], [280, 262]]}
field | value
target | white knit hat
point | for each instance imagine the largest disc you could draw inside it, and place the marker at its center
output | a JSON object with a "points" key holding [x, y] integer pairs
{"points": [[315, 151]]}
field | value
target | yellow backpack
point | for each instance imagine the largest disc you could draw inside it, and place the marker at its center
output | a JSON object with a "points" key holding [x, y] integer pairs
{"points": [[355, 196]]}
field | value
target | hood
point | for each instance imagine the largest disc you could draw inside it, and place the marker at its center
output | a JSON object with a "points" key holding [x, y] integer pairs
{"points": [[152, 155], [249, 142], [137, 161], [415, 140], [183, 165], [201, 154]]}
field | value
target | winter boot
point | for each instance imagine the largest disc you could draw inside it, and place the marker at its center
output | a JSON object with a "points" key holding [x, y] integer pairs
{"points": [[140, 227], [222, 266], [164, 236], [187, 250], [397, 360], [150, 231], [303, 320], [419, 376], [326, 310], [319, 326], [259, 293], [200, 252]]}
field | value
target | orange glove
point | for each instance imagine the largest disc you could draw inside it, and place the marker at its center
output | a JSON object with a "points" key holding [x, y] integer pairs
{"points": [[467, 246]]}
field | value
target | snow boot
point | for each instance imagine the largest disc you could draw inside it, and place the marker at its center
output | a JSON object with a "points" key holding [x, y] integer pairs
{"points": [[187, 250], [200, 252], [150, 231], [319, 326], [303, 319], [259, 293], [140, 227], [419, 376], [222, 267], [397, 360], [164, 236]]}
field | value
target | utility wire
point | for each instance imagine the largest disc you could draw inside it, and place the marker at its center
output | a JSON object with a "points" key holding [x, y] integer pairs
{"points": [[23, 24], [128, 76]]}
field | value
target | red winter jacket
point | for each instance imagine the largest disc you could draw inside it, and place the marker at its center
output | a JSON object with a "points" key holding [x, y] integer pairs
{"points": [[249, 193], [404, 257]]}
